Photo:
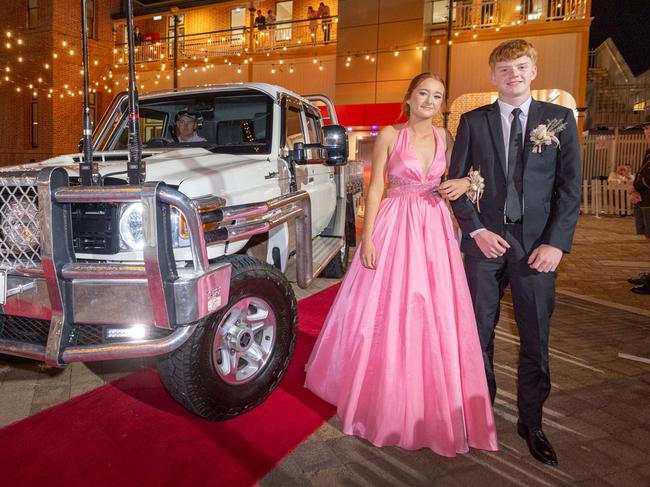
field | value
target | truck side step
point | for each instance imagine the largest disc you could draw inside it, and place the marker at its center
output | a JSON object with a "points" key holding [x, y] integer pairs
{"points": [[324, 249]]}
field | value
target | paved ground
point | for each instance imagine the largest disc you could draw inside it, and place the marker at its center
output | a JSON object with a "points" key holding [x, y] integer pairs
{"points": [[598, 414]]}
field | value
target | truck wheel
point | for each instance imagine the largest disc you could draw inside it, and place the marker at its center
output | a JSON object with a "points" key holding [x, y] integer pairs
{"points": [[237, 356]]}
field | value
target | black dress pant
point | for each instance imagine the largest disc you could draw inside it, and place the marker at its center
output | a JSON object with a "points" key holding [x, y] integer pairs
{"points": [[533, 298]]}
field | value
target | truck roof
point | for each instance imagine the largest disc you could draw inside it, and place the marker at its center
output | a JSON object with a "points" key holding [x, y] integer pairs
{"points": [[269, 89]]}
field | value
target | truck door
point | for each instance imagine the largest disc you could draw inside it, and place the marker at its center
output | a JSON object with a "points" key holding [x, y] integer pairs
{"points": [[316, 179]]}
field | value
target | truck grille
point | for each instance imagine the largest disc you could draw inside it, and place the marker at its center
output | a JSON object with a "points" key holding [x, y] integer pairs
{"points": [[25, 330], [19, 224]]}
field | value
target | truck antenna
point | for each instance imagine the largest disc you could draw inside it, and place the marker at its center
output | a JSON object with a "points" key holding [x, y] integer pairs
{"points": [[136, 170], [88, 170]]}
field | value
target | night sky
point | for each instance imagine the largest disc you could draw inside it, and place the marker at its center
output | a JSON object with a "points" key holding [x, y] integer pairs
{"points": [[627, 22]]}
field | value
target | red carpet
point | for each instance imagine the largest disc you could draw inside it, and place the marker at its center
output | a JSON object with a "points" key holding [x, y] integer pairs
{"points": [[132, 433]]}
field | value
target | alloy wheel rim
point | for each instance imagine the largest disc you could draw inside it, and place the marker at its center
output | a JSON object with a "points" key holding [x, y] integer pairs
{"points": [[244, 340]]}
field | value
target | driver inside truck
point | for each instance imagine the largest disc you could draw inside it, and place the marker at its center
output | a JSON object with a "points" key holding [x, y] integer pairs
{"points": [[185, 125]]}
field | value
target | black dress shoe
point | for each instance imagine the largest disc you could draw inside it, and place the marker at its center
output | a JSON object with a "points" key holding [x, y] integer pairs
{"points": [[538, 445], [645, 289], [638, 281]]}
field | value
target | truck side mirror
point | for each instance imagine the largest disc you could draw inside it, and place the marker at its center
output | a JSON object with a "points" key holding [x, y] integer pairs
{"points": [[335, 141]]}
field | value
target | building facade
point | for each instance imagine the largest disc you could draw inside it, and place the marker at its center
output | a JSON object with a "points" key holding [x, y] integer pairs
{"points": [[361, 53]]}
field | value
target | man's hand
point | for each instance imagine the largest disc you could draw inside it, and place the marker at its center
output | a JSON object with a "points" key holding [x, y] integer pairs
{"points": [[545, 258], [491, 244], [635, 197]]}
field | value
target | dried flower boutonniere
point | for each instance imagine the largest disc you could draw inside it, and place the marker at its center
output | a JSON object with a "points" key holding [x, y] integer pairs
{"points": [[546, 134], [476, 187]]}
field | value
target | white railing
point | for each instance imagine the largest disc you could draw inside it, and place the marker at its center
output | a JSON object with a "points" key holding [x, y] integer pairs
{"points": [[604, 153], [469, 14], [600, 197], [239, 42]]}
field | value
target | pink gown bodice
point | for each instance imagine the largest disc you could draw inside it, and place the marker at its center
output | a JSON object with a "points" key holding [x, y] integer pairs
{"points": [[404, 168]]}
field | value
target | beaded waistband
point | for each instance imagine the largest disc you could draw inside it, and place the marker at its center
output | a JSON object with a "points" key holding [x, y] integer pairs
{"points": [[405, 187]]}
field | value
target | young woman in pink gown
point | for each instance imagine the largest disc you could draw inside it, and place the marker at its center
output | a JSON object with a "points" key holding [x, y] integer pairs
{"points": [[399, 353]]}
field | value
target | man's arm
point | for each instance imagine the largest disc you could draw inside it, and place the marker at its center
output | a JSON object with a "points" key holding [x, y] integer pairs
{"points": [[461, 161], [565, 206]]}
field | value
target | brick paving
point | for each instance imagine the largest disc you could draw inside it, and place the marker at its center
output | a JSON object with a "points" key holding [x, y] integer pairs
{"points": [[598, 414]]}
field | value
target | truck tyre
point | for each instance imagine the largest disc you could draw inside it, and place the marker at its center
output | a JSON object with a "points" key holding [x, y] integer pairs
{"points": [[237, 356], [336, 267]]}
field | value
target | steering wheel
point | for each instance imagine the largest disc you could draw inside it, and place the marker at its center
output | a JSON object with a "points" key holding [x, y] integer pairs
{"points": [[158, 142]]}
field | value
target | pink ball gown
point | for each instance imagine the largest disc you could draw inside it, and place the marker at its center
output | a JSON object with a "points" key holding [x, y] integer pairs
{"points": [[399, 353]]}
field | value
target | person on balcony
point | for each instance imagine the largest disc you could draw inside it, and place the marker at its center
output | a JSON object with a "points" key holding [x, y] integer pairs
{"points": [[312, 15], [326, 21], [137, 36], [270, 23], [640, 197], [260, 27]]}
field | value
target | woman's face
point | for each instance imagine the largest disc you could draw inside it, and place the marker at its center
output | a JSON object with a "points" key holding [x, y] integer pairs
{"points": [[426, 99]]}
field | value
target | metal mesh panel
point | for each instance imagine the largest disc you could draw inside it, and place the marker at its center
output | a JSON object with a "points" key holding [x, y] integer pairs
{"points": [[19, 223], [26, 330]]}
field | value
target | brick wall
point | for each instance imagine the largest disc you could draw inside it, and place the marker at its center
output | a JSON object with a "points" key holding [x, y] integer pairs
{"points": [[59, 119]]}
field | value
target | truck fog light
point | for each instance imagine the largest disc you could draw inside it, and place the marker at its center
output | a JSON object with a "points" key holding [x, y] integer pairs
{"points": [[131, 227], [138, 331]]}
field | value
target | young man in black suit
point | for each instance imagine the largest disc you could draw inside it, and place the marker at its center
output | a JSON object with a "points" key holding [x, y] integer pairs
{"points": [[526, 221]]}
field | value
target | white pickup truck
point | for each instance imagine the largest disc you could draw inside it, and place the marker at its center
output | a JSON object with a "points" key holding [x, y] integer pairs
{"points": [[189, 266]]}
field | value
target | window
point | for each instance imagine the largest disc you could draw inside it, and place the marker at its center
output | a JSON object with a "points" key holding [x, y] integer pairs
{"points": [[293, 127], [32, 14], [90, 18], [228, 122], [34, 121], [180, 28], [440, 10], [237, 24], [283, 15], [92, 106]]}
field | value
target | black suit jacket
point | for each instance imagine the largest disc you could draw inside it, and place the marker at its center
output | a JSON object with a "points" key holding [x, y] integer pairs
{"points": [[551, 179]]}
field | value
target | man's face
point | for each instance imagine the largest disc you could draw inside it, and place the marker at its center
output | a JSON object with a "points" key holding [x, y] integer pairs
{"points": [[512, 78], [185, 125]]}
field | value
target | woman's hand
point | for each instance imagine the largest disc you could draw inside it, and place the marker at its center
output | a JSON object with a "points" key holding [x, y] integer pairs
{"points": [[368, 253], [453, 189]]}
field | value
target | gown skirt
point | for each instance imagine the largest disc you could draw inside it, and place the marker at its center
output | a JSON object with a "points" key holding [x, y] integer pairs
{"points": [[399, 353]]}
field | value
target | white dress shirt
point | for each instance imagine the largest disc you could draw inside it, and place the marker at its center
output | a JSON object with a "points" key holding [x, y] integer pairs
{"points": [[506, 122]]}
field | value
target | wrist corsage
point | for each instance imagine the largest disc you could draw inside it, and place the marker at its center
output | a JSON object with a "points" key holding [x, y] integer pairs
{"points": [[476, 187]]}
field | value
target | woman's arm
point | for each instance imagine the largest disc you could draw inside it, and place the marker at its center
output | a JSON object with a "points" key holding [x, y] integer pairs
{"points": [[380, 155], [452, 188]]}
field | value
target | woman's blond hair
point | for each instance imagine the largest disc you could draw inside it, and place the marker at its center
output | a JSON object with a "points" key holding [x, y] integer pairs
{"points": [[415, 82]]}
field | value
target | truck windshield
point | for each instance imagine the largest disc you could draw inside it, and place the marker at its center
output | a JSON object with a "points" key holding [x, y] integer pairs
{"points": [[227, 122]]}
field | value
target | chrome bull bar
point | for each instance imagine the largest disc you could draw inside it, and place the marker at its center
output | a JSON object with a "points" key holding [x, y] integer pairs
{"points": [[155, 293]]}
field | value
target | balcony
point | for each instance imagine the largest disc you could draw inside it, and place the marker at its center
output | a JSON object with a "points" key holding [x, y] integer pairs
{"points": [[236, 45], [473, 14]]}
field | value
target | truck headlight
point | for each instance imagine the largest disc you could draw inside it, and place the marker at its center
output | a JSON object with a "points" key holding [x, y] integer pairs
{"points": [[132, 233], [131, 227]]}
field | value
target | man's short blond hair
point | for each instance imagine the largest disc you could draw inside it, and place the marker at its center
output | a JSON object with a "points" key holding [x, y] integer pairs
{"points": [[513, 49]]}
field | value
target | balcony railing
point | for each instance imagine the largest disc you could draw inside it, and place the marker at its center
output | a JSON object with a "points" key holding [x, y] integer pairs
{"points": [[237, 43], [472, 14]]}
